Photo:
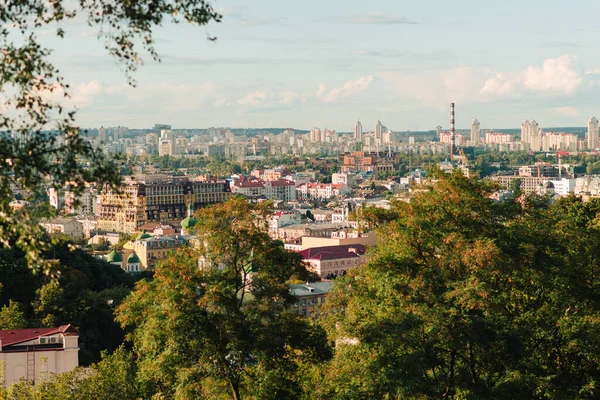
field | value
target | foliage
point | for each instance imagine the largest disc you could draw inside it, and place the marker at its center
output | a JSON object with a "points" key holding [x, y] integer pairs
{"points": [[79, 296], [467, 298], [111, 378], [220, 314], [12, 317], [40, 143]]}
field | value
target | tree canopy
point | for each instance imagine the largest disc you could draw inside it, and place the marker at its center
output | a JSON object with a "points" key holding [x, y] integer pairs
{"points": [[40, 144]]}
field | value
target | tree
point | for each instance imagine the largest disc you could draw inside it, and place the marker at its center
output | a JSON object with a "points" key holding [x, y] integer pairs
{"points": [[11, 316], [466, 298], [220, 314], [40, 144]]}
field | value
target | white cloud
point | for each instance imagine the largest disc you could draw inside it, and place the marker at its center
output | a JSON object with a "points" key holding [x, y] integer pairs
{"points": [[567, 111], [350, 88], [253, 99], [376, 18], [561, 75], [321, 89]]}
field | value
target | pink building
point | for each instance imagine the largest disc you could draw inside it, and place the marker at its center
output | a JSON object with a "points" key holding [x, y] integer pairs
{"points": [[333, 261]]}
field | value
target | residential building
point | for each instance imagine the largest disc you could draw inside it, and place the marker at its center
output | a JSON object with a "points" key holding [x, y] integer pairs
{"points": [[33, 354], [282, 218], [156, 198], [281, 189], [152, 249], [338, 237], [332, 261], [67, 226], [358, 131], [299, 230], [321, 191], [361, 161], [475, 132], [344, 178], [309, 297], [592, 133]]}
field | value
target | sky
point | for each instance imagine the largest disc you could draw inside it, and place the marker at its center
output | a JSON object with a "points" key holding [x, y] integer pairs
{"points": [[328, 63]]}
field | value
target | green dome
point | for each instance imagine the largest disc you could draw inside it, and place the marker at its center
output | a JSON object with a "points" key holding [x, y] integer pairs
{"points": [[142, 235], [114, 256], [189, 222], [133, 259]]}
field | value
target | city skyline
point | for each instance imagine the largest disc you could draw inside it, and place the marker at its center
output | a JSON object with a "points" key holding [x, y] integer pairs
{"points": [[277, 65]]}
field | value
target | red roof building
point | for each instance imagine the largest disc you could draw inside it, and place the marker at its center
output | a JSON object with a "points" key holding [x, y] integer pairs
{"points": [[34, 353], [333, 261]]}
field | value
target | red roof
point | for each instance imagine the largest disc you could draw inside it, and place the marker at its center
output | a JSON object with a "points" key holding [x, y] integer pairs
{"points": [[15, 336], [333, 252]]}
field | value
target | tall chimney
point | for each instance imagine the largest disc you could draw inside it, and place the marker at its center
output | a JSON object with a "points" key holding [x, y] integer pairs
{"points": [[452, 138]]}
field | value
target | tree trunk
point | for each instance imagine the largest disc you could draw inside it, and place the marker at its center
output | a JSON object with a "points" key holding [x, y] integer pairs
{"points": [[235, 389]]}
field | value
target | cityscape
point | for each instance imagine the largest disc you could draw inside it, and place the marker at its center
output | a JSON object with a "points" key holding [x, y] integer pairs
{"points": [[351, 205]]}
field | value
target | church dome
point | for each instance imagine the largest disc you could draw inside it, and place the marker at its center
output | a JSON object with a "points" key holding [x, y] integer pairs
{"points": [[114, 256], [142, 235], [189, 222], [133, 259]]}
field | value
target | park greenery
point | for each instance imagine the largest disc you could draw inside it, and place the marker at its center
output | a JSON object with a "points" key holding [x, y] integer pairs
{"points": [[462, 298]]}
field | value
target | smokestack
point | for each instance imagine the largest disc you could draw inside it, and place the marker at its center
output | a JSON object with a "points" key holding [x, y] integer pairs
{"points": [[452, 138]]}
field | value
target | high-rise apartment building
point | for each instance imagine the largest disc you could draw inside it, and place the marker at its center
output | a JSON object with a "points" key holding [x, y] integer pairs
{"points": [[525, 132], [592, 133], [378, 130], [535, 138], [358, 131], [475, 132], [155, 198]]}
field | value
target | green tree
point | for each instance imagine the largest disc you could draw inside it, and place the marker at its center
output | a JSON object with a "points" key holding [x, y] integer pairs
{"points": [[12, 317], [40, 143], [466, 298], [220, 315]]}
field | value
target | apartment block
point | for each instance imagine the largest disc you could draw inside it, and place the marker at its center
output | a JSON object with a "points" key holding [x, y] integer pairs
{"points": [[155, 198]]}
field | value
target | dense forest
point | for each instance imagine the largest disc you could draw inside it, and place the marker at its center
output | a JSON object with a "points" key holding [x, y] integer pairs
{"points": [[463, 297]]}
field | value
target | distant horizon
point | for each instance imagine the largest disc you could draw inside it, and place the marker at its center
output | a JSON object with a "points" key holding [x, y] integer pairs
{"points": [[275, 63]]}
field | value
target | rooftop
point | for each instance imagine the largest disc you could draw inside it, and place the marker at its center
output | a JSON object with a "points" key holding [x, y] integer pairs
{"points": [[15, 336], [333, 252], [311, 288]]}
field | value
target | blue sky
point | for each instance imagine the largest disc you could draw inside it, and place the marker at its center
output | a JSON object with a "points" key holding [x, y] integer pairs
{"points": [[327, 63]]}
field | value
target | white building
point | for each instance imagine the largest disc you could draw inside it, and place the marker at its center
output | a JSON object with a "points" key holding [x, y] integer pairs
{"points": [[475, 132], [344, 179], [564, 186], [281, 189], [358, 131], [592, 133], [281, 219], [33, 354], [68, 226], [321, 191]]}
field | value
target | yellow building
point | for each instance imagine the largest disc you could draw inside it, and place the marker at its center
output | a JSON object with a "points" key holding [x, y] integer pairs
{"points": [[155, 198]]}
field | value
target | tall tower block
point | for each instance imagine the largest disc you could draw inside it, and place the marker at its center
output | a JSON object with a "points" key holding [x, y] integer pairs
{"points": [[452, 132], [592, 133]]}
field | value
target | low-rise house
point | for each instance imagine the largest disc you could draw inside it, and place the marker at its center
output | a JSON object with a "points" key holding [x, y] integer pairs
{"points": [[299, 230], [332, 261], [67, 226], [341, 236], [152, 249], [279, 219], [33, 354], [309, 297]]}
